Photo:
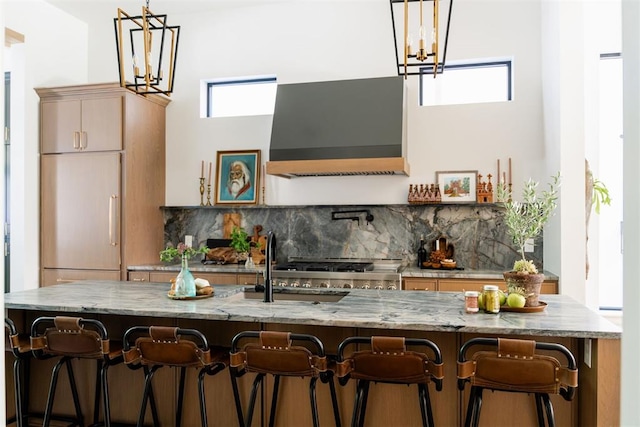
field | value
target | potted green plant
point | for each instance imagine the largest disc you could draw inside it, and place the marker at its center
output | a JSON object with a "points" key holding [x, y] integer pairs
{"points": [[525, 220], [240, 242]]}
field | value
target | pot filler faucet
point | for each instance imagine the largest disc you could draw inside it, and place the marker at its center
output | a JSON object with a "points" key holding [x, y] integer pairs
{"points": [[269, 256]]}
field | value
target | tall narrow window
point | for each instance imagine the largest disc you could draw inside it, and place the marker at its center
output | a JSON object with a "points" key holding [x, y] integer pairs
{"points": [[469, 83], [251, 96], [606, 228]]}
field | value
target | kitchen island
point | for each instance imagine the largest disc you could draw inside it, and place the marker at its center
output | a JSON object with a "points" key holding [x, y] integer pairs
{"points": [[438, 316]]}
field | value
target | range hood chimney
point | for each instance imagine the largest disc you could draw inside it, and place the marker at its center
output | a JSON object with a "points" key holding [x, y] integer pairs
{"points": [[339, 128]]}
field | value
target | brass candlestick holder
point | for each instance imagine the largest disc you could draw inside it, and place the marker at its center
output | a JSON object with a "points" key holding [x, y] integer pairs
{"points": [[202, 191], [209, 195]]}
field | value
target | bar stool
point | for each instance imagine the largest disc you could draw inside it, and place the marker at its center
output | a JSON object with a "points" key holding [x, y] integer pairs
{"points": [[19, 346], [512, 365], [387, 360], [273, 352], [76, 338], [154, 347]]}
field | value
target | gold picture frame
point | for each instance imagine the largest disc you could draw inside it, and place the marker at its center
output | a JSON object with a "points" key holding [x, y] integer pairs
{"points": [[237, 177]]}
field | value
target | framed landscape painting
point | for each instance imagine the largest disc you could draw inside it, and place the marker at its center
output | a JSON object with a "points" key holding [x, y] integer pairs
{"points": [[237, 177], [457, 186]]}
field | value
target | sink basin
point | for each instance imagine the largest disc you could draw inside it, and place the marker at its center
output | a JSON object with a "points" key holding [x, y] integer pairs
{"points": [[293, 295]]}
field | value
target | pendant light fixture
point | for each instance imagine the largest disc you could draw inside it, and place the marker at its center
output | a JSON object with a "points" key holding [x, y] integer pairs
{"points": [[428, 22], [147, 49]]}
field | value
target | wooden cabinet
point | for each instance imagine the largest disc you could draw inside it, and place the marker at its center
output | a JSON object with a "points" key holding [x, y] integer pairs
{"points": [[459, 285], [81, 124], [54, 276], [419, 284], [80, 215], [102, 172]]}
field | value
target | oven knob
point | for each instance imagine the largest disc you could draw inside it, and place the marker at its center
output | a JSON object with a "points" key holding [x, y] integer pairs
{"points": [[378, 287], [365, 286], [325, 285], [283, 283], [347, 286], [294, 284], [306, 285]]}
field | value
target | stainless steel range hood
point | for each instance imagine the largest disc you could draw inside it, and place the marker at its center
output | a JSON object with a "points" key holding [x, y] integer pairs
{"points": [[339, 128]]}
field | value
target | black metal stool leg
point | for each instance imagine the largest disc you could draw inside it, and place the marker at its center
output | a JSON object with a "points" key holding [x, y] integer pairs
{"points": [[550, 417], [74, 391], [314, 404], [254, 390], [105, 395], [357, 403], [363, 406], [425, 405], [52, 389], [97, 394], [183, 373], [477, 406], [539, 410], [203, 401], [334, 402], [145, 394], [17, 389], [236, 396], [274, 400]]}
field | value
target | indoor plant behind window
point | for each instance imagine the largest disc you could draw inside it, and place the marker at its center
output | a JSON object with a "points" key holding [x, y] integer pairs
{"points": [[525, 220]]}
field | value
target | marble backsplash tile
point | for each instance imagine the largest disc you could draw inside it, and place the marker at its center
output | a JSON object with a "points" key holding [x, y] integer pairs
{"points": [[476, 231]]}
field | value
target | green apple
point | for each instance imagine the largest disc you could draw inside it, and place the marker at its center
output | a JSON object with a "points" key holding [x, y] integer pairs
{"points": [[516, 300], [503, 298], [481, 301]]}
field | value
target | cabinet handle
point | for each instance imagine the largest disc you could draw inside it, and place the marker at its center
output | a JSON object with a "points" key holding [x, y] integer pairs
{"points": [[139, 280], [76, 140], [61, 280], [83, 140], [112, 217]]}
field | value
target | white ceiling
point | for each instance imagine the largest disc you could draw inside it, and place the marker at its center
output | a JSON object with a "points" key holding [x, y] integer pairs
{"points": [[88, 10]]}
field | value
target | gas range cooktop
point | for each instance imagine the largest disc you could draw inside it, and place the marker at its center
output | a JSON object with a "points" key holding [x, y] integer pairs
{"points": [[339, 273], [356, 267]]}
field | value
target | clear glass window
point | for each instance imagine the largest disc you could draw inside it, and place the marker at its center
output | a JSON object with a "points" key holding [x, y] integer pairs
{"points": [[470, 83], [251, 96]]}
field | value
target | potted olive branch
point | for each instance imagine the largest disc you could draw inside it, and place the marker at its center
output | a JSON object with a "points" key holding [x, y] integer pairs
{"points": [[525, 220]]}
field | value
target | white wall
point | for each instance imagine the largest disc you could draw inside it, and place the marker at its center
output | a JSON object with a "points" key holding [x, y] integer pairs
{"points": [[345, 39], [631, 260], [54, 53]]}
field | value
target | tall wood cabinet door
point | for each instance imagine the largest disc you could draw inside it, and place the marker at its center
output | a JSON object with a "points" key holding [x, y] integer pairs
{"points": [[75, 125], [81, 211]]}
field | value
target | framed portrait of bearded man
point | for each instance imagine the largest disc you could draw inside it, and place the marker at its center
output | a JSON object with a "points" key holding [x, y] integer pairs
{"points": [[237, 177]]}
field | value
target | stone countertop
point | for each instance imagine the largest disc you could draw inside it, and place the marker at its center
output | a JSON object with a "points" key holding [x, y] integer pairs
{"points": [[197, 266], [461, 274], [408, 310]]}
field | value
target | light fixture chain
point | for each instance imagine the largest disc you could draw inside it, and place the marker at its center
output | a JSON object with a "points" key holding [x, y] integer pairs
{"points": [[147, 4]]}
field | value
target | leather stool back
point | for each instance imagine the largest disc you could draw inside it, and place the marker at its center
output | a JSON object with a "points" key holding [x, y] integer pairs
{"points": [[76, 338], [272, 352], [153, 347], [387, 360], [513, 365]]}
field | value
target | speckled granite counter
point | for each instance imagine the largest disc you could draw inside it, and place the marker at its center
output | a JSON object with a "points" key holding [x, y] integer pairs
{"points": [[461, 274], [409, 310]]}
